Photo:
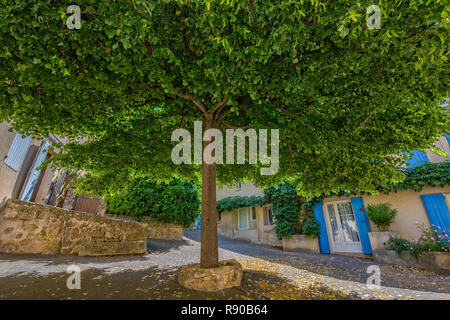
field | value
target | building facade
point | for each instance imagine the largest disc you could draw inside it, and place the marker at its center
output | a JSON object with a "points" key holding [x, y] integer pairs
{"points": [[21, 175], [344, 224]]}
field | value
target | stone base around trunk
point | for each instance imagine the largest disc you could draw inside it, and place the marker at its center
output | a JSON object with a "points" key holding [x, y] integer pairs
{"points": [[227, 275]]}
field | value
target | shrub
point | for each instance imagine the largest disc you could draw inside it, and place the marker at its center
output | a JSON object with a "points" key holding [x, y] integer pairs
{"points": [[430, 239], [311, 228], [382, 215], [287, 208], [174, 202]]}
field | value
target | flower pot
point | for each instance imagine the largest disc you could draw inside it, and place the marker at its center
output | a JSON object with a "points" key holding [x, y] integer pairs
{"points": [[379, 240]]}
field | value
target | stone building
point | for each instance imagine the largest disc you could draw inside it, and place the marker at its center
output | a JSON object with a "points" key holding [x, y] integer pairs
{"points": [[344, 225], [22, 178]]}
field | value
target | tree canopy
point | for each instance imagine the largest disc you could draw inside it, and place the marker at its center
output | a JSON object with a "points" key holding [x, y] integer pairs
{"points": [[346, 103]]}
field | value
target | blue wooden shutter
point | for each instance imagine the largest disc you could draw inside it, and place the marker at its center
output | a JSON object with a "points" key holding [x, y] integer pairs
{"points": [[419, 158], [362, 222], [323, 237], [17, 151], [437, 210]]}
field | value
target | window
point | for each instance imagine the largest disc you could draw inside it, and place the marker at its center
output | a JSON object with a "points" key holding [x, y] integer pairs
{"points": [[268, 216], [253, 217], [17, 151], [219, 217], [239, 186], [243, 218], [35, 172]]}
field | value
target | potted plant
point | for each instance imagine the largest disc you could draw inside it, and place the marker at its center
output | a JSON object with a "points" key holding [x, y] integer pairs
{"points": [[382, 215]]}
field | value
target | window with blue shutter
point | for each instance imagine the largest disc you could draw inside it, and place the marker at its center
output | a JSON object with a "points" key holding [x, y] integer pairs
{"points": [[448, 138], [437, 210], [419, 158], [323, 237], [17, 151]]}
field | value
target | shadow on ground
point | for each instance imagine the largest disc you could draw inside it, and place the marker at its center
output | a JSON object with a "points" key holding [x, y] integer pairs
{"points": [[153, 284], [336, 266], [162, 246]]}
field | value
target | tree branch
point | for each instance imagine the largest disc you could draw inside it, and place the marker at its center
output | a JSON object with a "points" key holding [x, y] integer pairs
{"points": [[361, 126], [219, 106], [190, 97], [251, 6], [72, 55], [235, 127]]}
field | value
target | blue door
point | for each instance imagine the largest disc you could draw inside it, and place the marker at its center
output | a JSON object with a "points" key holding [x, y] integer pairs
{"points": [[437, 210], [362, 222], [323, 237]]}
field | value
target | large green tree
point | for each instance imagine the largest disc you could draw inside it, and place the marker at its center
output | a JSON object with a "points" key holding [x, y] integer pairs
{"points": [[347, 99]]}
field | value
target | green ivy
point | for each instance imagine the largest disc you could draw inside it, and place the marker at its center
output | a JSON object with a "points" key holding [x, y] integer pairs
{"points": [[287, 208], [231, 203], [430, 174], [174, 202], [287, 204]]}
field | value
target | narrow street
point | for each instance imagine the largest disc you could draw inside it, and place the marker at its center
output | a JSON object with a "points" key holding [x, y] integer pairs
{"points": [[269, 273]]}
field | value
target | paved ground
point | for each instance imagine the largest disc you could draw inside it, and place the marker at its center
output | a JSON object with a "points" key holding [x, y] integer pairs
{"points": [[269, 273]]}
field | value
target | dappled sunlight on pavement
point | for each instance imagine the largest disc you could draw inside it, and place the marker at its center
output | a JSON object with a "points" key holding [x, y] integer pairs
{"points": [[269, 273]]}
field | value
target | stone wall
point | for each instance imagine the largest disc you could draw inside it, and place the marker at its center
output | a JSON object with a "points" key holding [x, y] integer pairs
{"points": [[438, 262], [156, 230], [302, 243], [27, 227]]}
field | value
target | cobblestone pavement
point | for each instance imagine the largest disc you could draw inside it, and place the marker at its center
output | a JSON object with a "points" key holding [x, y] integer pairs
{"points": [[270, 273]]}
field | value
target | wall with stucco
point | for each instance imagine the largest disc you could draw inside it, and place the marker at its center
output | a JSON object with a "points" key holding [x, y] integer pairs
{"points": [[12, 182], [257, 231], [442, 144], [409, 205], [247, 190]]}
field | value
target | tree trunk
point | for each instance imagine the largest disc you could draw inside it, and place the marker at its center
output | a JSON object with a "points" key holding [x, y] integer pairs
{"points": [[209, 257]]}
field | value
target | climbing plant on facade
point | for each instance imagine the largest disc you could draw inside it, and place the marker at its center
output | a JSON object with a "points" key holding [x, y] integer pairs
{"points": [[231, 203], [345, 104], [292, 213]]}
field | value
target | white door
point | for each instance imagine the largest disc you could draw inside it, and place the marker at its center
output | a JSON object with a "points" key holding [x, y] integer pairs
{"points": [[35, 172], [345, 237], [243, 218]]}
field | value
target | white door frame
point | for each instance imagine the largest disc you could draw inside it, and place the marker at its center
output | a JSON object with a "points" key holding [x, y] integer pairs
{"points": [[349, 246]]}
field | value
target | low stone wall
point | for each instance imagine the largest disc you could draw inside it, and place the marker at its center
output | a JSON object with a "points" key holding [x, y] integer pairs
{"points": [[27, 227], [379, 240], [156, 230], [438, 262], [269, 237], [300, 242]]}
